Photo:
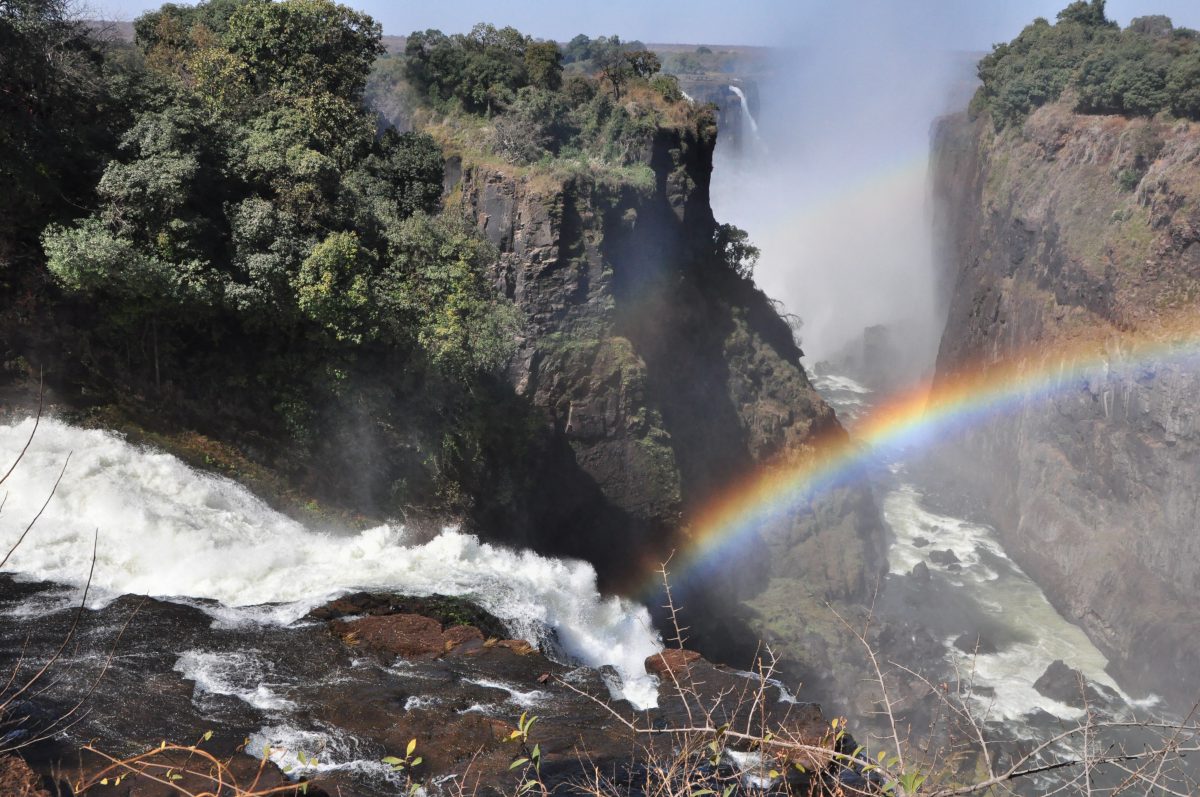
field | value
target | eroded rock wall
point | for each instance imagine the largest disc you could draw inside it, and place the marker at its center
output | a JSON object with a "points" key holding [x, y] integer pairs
{"points": [[1077, 234], [666, 376]]}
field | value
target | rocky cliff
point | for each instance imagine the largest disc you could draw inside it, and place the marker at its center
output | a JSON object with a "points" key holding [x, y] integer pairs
{"points": [[661, 373], [1083, 230], [649, 374]]}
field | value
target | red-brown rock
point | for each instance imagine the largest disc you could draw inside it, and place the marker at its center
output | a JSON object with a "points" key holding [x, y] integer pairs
{"points": [[459, 636], [18, 780], [671, 660], [408, 635]]}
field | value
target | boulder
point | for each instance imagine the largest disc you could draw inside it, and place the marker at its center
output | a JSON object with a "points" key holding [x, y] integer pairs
{"points": [[976, 643], [946, 557], [1067, 685], [920, 572], [671, 660], [408, 636]]}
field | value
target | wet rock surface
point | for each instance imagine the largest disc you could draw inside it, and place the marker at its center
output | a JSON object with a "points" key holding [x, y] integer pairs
{"points": [[18, 780], [1091, 483], [1068, 685], [347, 686]]}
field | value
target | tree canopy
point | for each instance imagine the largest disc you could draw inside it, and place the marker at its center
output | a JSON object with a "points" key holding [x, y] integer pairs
{"points": [[255, 187], [1148, 68]]}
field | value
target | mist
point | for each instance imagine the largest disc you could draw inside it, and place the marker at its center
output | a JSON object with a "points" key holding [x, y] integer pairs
{"points": [[834, 192]]}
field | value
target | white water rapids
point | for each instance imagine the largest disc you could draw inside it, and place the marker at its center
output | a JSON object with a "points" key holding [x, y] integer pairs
{"points": [[1011, 605], [168, 531]]}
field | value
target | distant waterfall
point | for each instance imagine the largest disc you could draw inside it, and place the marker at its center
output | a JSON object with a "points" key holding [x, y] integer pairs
{"points": [[749, 117]]}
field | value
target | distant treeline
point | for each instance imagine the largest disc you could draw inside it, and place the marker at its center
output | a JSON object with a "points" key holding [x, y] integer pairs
{"points": [[1147, 68]]}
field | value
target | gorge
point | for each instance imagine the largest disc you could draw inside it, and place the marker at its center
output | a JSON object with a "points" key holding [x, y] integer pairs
{"points": [[347, 436]]}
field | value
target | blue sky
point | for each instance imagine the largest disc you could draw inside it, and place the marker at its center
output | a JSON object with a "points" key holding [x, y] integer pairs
{"points": [[956, 24]]}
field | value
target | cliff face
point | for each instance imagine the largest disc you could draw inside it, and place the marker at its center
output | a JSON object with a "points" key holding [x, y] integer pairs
{"points": [[662, 375], [648, 376], [1081, 229]]}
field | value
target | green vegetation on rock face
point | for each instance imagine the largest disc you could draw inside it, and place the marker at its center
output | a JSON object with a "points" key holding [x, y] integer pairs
{"points": [[1148, 68], [510, 96], [256, 188], [241, 252], [213, 218]]}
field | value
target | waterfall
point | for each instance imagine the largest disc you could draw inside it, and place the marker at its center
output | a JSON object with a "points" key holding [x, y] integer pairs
{"points": [[746, 115], [171, 532]]}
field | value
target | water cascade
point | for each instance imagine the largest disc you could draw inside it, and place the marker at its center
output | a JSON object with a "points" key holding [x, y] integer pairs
{"points": [[171, 532], [747, 117]]}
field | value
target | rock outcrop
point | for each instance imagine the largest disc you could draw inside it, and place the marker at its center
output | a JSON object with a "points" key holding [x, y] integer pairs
{"points": [[1075, 233], [332, 705], [663, 376]]}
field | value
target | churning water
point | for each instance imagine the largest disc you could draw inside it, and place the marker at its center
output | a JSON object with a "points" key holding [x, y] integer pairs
{"points": [[171, 532], [1000, 631]]}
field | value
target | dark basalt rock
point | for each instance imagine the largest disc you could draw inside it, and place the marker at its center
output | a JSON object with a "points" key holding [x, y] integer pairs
{"points": [[447, 610], [1066, 685], [920, 572], [1091, 486], [377, 681], [946, 557], [976, 643]]}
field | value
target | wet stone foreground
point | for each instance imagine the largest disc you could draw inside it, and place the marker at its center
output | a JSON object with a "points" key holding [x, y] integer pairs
{"points": [[353, 682]]}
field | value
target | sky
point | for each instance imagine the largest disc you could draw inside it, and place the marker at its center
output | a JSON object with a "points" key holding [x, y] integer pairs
{"points": [[956, 24]]}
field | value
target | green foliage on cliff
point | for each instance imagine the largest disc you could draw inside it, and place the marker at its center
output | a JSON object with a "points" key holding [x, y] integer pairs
{"points": [[524, 100], [1148, 68], [257, 188], [212, 216], [63, 101]]}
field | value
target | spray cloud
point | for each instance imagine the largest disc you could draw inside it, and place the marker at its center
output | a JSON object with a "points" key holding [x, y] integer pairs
{"points": [[836, 194]]}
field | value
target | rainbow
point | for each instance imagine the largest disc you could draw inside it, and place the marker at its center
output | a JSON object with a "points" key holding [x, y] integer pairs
{"points": [[917, 418]]}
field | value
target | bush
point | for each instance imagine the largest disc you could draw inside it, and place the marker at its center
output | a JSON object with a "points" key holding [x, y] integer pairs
{"points": [[733, 248]]}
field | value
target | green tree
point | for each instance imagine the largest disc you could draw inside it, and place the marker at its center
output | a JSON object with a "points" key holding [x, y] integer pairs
{"points": [[305, 46], [333, 287], [1183, 85], [578, 49], [612, 66], [63, 101], [733, 248], [543, 63], [436, 285], [1088, 13], [643, 63]]}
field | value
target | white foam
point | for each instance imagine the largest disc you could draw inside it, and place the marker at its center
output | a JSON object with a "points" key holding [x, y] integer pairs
{"points": [[909, 521], [1012, 599], [240, 674], [169, 531], [833, 382], [523, 699], [416, 702], [305, 753]]}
